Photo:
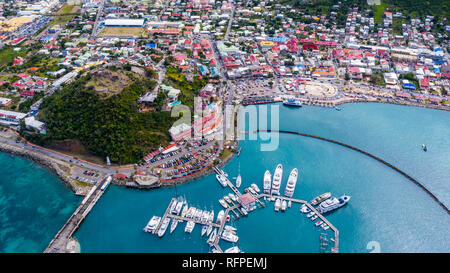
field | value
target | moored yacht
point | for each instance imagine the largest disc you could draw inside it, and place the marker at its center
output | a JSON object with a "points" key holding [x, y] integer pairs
{"points": [[277, 180], [277, 204], [152, 224], [320, 198], [255, 188], [238, 181], [174, 225], [292, 181], [267, 182], [222, 180], [283, 205], [163, 228], [204, 230], [189, 226], [223, 203], [233, 249], [333, 203]]}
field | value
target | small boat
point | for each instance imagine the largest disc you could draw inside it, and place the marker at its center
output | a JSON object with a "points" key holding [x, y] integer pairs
{"points": [[163, 227], [204, 229], [289, 203], [318, 223], [220, 217], [239, 151], [228, 199], [152, 224], [314, 217], [212, 237], [324, 226], [267, 182], [173, 208], [208, 231], [310, 214], [283, 205], [238, 181], [230, 228], [320, 198], [228, 218], [304, 209], [222, 180], [189, 227], [232, 197], [424, 147], [174, 225], [185, 210], [233, 249], [211, 217], [189, 212], [223, 203], [255, 187], [204, 217], [230, 237], [337, 108], [277, 205], [178, 207]]}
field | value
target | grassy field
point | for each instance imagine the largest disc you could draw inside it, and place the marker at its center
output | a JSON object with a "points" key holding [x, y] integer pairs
{"points": [[108, 82], [7, 55], [64, 15], [122, 31]]}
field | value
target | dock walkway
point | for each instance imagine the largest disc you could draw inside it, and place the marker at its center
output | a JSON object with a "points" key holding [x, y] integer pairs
{"points": [[59, 242]]}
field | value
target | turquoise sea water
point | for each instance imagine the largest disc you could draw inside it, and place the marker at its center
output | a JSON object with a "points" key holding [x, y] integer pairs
{"points": [[385, 207], [34, 204]]}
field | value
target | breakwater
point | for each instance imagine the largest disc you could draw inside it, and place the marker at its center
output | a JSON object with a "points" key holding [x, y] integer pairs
{"points": [[368, 154]]}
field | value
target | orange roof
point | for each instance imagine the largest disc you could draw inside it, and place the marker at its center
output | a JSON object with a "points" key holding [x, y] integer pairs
{"points": [[33, 68]]}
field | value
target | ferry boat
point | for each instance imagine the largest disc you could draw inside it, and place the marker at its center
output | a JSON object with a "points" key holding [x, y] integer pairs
{"points": [[255, 187], [238, 181], [277, 205], [220, 216], [292, 181], [174, 225], [292, 102], [267, 182], [318, 223], [277, 180], [208, 231], [333, 203], [189, 227], [223, 203], [222, 180], [320, 198], [233, 249], [283, 205], [204, 230], [152, 224], [163, 228]]}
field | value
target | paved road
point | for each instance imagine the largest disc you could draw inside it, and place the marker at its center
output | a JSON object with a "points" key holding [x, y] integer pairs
{"points": [[95, 29]]}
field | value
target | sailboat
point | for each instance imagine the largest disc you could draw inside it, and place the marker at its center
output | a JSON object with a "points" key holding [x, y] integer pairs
{"points": [[238, 181]]}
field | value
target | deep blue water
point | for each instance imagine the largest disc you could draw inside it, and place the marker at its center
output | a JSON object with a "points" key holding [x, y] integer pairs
{"points": [[34, 205], [385, 207]]}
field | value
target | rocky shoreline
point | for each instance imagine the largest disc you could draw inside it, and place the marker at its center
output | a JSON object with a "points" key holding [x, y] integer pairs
{"points": [[54, 165]]}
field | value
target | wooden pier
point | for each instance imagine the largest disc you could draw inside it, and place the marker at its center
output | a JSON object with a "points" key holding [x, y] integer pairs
{"points": [[59, 243]]}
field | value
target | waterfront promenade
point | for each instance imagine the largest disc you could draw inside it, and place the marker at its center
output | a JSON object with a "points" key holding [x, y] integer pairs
{"points": [[59, 242]]}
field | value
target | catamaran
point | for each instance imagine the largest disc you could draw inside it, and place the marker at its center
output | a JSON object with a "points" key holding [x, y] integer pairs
{"points": [[292, 181], [277, 180], [267, 182]]}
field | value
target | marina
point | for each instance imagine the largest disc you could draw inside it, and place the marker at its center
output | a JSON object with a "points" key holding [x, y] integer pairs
{"points": [[220, 229]]}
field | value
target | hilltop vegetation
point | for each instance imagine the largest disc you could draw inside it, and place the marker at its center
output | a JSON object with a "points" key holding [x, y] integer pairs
{"points": [[110, 126]]}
